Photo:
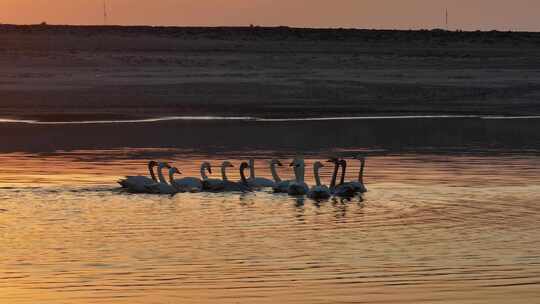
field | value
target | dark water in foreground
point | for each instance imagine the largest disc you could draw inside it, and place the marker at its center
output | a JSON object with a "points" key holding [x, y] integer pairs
{"points": [[440, 224]]}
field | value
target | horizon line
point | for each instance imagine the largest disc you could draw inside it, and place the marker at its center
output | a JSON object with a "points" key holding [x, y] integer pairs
{"points": [[456, 30]]}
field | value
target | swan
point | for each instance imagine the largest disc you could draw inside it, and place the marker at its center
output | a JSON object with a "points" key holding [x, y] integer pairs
{"points": [[211, 184], [298, 187], [214, 184], [341, 190], [258, 182], [193, 184], [137, 184], [174, 182], [161, 187], [318, 192], [241, 186], [359, 185], [281, 186]]}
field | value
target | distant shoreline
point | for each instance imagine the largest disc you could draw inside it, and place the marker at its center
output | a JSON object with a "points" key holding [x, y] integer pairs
{"points": [[172, 28]]}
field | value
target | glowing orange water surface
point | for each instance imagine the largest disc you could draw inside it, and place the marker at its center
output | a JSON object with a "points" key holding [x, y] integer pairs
{"points": [[432, 228]]}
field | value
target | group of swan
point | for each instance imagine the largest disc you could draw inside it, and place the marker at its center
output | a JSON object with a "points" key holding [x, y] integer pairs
{"points": [[297, 187]]}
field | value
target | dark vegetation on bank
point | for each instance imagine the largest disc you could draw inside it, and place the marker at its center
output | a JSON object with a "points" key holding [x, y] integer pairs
{"points": [[284, 32]]}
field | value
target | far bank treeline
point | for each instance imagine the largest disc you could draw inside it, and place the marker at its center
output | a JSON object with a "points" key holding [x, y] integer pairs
{"points": [[438, 36]]}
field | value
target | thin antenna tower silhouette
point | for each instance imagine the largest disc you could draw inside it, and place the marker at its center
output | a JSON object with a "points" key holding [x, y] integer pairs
{"points": [[105, 12], [446, 20]]}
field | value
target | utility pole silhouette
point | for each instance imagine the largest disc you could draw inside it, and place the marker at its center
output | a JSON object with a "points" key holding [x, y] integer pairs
{"points": [[105, 12], [446, 19]]}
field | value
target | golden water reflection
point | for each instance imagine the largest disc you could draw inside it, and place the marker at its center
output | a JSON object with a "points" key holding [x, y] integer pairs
{"points": [[432, 228]]}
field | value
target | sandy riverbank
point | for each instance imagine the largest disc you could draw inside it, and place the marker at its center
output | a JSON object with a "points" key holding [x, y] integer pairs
{"points": [[83, 73]]}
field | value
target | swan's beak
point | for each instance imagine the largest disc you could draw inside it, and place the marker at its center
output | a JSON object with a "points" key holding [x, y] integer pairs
{"points": [[292, 164], [279, 163]]}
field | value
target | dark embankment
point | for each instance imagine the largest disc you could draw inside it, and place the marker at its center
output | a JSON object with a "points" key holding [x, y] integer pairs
{"points": [[71, 73]]}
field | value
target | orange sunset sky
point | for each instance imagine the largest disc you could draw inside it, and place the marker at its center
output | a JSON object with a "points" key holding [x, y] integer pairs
{"points": [[403, 14]]}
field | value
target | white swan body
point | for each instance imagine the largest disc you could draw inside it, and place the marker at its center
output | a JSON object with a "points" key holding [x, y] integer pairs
{"points": [[283, 187], [298, 187], [189, 184], [137, 184], [258, 182], [280, 186], [162, 187], [193, 184], [319, 191]]}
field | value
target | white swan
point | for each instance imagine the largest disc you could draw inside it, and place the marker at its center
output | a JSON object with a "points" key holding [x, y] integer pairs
{"points": [[341, 190], [318, 192], [162, 187], [241, 186], [359, 185], [137, 184], [281, 186], [174, 182], [193, 184], [210, 184], [214, 184], [225, 185], [298, 187], [258, 182]]}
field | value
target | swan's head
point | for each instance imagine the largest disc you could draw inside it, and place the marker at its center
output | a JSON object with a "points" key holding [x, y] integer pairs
{"points": [[174, 170], [244, 166], [296, 164], [360, 157], [333, 160], [207, 166], [318, 165], [298, 161], [276, 162], [152, 163], [165, 165], [227, 164]]}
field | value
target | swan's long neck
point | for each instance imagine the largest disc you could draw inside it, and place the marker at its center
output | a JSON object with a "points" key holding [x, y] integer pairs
{"points": [[171, 177], [334, 175], [224, 173], [243, 177], [343, 172], [316, 174], [252, 169], [160, 175], [151, 170], [275, 175], [301, 172], [203, 171], [361, 174]]}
